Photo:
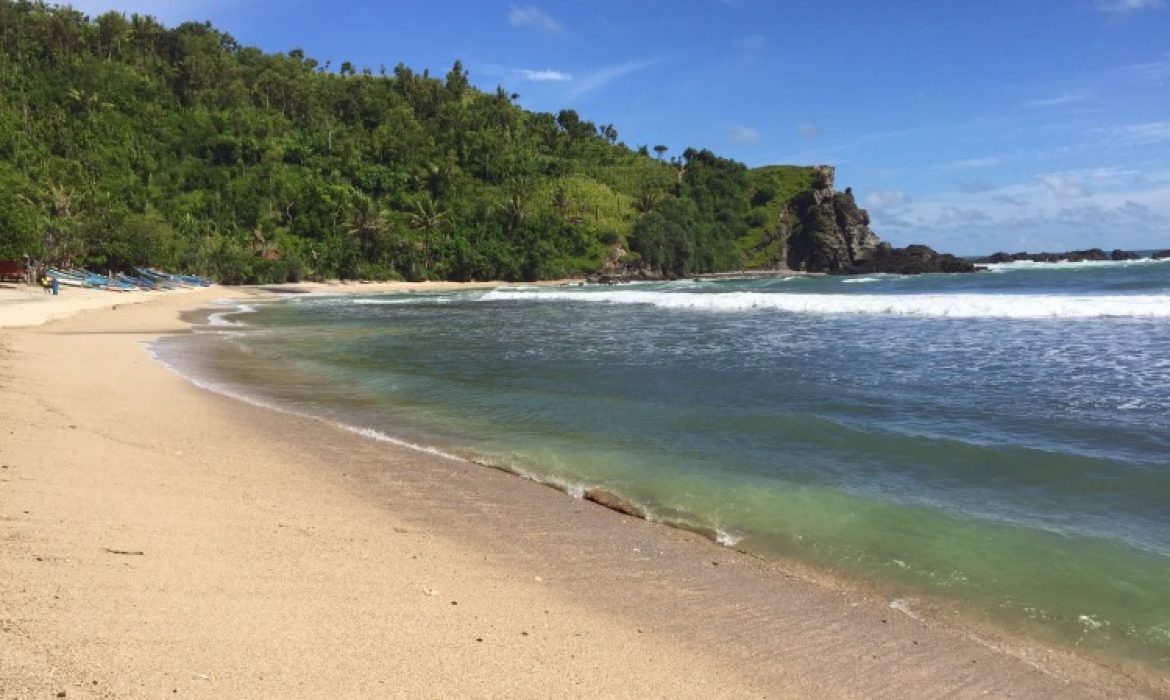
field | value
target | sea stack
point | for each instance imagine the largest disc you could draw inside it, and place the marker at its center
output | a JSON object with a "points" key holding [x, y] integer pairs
{"points": [[831, 234]]}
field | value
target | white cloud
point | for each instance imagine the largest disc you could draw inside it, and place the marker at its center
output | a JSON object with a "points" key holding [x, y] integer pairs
{"points": [[809, 131], [547, 75], [531, 75], [1125, 7], [961, 216], [1067, 210], [1065, 186], [976, 186], [533, 16], [1065, 98], [1138, 134], [974, 163], [744, 134], [1149, 72], [886, 199], [600, 78]]}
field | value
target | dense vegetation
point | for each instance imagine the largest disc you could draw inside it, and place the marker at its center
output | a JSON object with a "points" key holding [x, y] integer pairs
{"points": [[125, 143]]}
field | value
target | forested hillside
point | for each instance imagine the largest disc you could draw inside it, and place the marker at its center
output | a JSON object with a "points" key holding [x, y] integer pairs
{"points": [[123, 142]]}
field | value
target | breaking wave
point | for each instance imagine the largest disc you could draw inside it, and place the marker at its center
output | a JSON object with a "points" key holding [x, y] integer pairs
{"points": [[1021, 265], [1022, 306]]}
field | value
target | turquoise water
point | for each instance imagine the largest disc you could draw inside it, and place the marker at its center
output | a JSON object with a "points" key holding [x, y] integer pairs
{"points": [[1001, 440]]}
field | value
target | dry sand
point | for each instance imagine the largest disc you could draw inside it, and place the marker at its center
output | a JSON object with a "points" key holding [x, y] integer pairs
{"points": [[160, 540]]}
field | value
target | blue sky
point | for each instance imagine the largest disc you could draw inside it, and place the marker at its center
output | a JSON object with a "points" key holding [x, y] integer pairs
{"points": [[969, 126]]}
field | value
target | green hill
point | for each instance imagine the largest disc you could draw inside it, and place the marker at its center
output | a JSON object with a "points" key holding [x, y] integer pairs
{"points": [[123, 142]]}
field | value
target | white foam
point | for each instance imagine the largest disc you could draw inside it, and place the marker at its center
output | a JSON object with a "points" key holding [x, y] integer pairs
{"points": [[220, 318], [1023, 306], [383, 437], [232, 393], [875, 278], [1020, 265], [395, 301], [727, 539], [903, 606]]}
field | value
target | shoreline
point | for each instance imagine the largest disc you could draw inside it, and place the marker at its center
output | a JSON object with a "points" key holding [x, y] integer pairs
{"points": [[23, 306], [1026, 638], [265, 524]]}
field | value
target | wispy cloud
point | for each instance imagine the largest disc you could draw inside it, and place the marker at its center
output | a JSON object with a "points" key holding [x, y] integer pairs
{"points": [[976, 186], [547, 75], [1148, 72], [809, 131], [975, 163], [533, 16], [1059, 210], [603, 77], [531, 75], [1065, 98], [886, 199], [1137, 134], [1125, 7], [753, 43], [1064, 186], [744, 134]]}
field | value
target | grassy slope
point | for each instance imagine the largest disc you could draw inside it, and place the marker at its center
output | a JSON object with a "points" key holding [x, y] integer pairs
{"points": [[773, 187]]}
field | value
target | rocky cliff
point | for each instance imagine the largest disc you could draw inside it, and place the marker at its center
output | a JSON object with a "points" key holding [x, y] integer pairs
{"points": [[827, 232]]}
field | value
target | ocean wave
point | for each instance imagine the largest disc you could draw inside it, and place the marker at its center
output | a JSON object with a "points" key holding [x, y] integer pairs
{"points": [[1023, 265], [379, 436], [232, 392], [400, 301], [874, 278], [220, 318], [1021, 306]]}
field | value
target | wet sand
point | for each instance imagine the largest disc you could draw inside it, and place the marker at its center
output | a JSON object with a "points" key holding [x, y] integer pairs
{"points": [[158, 539]]}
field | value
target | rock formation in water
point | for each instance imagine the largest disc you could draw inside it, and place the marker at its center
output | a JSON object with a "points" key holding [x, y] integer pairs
{"points": [[1092, 254], [828, 232], [911, 260]]}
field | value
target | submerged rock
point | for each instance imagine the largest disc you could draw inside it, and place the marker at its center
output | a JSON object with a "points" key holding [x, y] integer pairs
{"points": [[614, 502]]}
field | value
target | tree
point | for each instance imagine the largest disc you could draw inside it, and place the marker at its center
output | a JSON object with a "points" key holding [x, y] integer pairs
{"points": [[428, 218], [369, 226], [124, 140]]}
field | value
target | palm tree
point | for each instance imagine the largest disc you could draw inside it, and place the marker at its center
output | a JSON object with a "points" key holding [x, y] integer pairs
{"points": [[645, 200], [427, 218], [515, 209], [369, 226], [561, 200]]}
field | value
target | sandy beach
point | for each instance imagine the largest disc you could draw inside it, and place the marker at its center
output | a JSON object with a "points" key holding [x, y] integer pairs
{"points": [[157, 539]]}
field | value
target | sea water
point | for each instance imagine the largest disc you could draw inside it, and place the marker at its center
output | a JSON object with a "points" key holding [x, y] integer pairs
{"points": [[1000, 440]]}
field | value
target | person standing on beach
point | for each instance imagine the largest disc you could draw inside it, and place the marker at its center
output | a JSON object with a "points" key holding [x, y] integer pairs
{"points": [[54, 284], [46, 283]]}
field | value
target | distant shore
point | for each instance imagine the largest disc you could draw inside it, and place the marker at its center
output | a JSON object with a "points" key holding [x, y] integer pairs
{"points": [[160, 539]]}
